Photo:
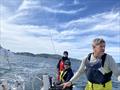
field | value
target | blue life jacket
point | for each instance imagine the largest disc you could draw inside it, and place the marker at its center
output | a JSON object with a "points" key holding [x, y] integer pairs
{"points": [[94, 75]]}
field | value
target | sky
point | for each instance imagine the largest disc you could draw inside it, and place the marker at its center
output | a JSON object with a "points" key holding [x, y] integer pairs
{"points": [[53, 26]]}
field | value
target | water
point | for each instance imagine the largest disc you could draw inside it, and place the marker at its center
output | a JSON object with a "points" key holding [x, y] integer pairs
{"points": [[28, 69]]}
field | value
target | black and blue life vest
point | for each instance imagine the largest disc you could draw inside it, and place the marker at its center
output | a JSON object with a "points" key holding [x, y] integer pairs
{"points": [[94, 75]]}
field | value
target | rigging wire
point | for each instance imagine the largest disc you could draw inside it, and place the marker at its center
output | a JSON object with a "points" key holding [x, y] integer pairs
{"points": [[51, 38], [52, 42]]}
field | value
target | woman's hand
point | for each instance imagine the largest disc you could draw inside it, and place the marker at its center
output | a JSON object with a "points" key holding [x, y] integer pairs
{"points": [[67, 84]]}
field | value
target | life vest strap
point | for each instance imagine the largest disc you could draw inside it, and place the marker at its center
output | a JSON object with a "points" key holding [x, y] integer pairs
{"points": [[98, 83]]}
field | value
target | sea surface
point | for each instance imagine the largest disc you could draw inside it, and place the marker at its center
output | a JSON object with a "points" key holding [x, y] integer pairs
{"points": [[28, 69]]}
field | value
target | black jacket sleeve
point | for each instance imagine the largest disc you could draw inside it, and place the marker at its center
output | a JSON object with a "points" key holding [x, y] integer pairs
{"points": [[69, 75]]}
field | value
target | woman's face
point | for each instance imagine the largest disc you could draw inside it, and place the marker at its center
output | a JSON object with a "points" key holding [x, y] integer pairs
{"points": [[66, 66], [99, 49]]}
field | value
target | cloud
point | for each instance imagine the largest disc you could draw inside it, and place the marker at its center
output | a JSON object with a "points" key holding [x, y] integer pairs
{"points": [[76, 1], [29, 4], [100, 24], [62, 40], [19, 38], [98, 21], [115, 52], [4, 12], [8, 8], [38, 12], [62, 11], [74, 35]]}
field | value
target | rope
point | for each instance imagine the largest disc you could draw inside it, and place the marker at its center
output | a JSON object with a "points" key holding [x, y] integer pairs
{"points": [[53, 45]]}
